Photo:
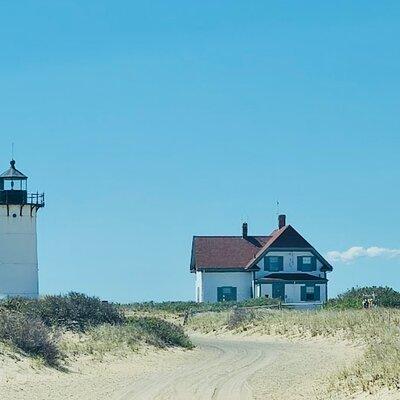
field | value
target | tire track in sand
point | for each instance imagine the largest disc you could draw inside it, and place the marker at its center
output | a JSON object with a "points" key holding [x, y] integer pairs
{"points": [[222, 373]]}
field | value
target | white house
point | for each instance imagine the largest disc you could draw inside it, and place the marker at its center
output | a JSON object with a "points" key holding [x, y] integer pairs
{"points": [[282, 265], [18, 241]]}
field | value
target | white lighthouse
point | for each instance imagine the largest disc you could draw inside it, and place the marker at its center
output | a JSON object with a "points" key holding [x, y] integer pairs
{"points": [[18, 240]]}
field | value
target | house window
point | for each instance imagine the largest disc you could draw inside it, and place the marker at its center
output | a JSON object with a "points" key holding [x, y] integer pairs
{"points": [[306, 263], [227, 293], [310, 292], [273, 263]]}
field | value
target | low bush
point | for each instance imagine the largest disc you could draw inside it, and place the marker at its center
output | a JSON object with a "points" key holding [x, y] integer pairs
{"points": [[180, 307], [174, 307], [29, 335], [161, 333], [102, 339], [239, 317], [353, 298], [120, 339], [74, 311], [259, 302], [95, 327]]}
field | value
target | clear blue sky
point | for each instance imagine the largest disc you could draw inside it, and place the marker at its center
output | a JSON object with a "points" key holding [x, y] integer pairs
{"points": [[148, 122]]}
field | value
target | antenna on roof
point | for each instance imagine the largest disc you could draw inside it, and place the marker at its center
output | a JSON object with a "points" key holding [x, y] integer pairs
{"points": [[277, 207], [12, 150]]}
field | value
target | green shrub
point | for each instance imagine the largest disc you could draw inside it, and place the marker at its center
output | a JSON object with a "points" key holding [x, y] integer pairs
{"points": [[121, 339], [102, 339], [161, 333], [29, 335], [100, 327], [74, 311], [239, 317], [180, 307], [258, 302], [353, 298]]}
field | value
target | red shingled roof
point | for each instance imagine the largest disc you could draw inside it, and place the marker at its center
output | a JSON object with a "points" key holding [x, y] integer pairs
{"points": [[225, 251], [237, 252]]}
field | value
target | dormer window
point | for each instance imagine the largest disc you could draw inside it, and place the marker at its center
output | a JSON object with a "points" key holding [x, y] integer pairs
{"points": [[273, 263], [306, 263]]}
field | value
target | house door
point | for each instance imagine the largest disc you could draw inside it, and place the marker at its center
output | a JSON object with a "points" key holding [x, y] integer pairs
{"points": [[278, 291], [226, 293]]}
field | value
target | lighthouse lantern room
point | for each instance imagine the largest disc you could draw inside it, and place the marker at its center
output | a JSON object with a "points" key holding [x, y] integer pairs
{"points": [[18, 237]]}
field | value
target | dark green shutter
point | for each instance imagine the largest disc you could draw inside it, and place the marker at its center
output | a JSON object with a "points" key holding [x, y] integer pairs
{"points": [[266, 263], [234, 294], [278, 290], [317, 293], [313, 263], [299, 263], [303, 293], [219, 294]]}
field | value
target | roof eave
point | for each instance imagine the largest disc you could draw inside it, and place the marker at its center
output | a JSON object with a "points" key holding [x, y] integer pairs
{"points": [[325, 263], [222, 269], [192, 257], [294, 281], [13, 173]]}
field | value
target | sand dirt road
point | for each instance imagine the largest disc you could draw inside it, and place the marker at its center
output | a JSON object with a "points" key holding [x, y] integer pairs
{"points": [[243, 369], [220, 368]]}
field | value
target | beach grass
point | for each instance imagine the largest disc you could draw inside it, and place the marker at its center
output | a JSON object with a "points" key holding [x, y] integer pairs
{"points": [[377, 330]]}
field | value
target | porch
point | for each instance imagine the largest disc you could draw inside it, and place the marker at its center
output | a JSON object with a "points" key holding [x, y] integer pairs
{"points": [[292, 288]]}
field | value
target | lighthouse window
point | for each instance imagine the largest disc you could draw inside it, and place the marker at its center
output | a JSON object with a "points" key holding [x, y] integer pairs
{"points": [[14, 215], [14, 185]]}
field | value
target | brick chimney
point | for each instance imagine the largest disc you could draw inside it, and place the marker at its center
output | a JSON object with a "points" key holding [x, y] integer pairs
{"points": [[281, 221], [245, 229]]}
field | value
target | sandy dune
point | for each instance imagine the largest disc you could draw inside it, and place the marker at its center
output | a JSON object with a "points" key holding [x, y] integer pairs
{"points": [[220, 368]]}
